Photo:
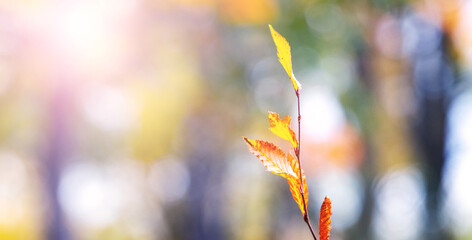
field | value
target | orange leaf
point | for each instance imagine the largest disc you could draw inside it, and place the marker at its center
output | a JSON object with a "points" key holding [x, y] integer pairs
{"points": [[285, 57], [295, 189], [281, 128], [273, 158], [325, 219], [285, 165]]}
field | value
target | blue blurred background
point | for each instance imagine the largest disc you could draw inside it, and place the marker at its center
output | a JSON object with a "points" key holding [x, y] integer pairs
{"points": [[122, 119]]}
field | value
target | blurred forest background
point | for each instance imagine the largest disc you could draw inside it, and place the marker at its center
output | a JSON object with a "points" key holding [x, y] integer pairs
{"points": [[122, 119]]}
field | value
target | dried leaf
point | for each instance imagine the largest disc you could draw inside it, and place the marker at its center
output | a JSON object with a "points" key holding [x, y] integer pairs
{"points": [[273, 158], [285, 57], [285, 165], [325, 219], [281, 128]]}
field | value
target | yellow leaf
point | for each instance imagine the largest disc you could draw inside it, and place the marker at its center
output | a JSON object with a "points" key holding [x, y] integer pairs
{"points": [[285, 57], [296, 193], [273, 158], [281, 128], [285, 165], [325, 219], [295, 188]]}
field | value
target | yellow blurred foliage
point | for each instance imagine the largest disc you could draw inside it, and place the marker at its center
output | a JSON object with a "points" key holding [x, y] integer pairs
{"points": [[163, 103], [20, 205], [248, 11]]}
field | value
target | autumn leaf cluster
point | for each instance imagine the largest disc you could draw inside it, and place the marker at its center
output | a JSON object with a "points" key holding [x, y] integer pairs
{"points": [[286, 164], [278, 162]]}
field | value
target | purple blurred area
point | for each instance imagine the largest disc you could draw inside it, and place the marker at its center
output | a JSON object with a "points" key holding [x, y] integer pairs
{"points": [[122, 119]]}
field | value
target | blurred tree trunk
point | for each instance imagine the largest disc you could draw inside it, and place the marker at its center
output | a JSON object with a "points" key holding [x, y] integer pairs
{"points": [[433, 78], [57, 140], [201, 215]]}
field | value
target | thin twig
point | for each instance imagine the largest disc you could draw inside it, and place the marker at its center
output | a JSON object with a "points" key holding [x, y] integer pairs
{"points": [[307, 220], [306, 216]]}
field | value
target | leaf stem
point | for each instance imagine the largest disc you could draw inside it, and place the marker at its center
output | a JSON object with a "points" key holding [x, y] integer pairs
{"points": [[306, 216]]}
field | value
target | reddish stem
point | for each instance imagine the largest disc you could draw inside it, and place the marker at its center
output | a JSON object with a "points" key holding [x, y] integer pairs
{"points": [[307, 220], [306, 216]]}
